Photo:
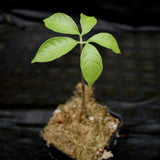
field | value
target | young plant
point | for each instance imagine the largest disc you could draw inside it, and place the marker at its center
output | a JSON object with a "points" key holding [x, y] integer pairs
{"points": [[90, 59]]}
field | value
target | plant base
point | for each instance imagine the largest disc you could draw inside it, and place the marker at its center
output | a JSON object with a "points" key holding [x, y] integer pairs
{"points": [[85, 139]]}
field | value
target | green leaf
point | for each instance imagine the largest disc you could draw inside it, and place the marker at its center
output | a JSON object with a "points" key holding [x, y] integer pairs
{"points": [[54, 48], [87, 23], [91, 64], [106, 40], [62, 23]]}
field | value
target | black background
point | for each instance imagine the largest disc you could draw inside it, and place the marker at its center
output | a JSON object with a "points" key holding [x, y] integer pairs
{"points": [[133, 12]]}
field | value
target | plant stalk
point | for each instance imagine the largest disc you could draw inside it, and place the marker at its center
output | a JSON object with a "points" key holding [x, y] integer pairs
{"points": [[83, 108]]}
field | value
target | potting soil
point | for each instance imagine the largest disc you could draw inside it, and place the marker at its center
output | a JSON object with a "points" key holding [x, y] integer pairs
{"points": [[81, 139]]}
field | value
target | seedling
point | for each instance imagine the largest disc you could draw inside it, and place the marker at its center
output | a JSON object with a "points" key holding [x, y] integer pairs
{"points": [[90, 59]]}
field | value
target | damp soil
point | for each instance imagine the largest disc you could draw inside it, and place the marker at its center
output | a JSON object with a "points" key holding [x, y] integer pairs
{"points": [[81, 138]]}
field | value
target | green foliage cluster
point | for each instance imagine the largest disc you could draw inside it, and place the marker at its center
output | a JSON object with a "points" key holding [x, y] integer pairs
{"points": [[90, 60]]}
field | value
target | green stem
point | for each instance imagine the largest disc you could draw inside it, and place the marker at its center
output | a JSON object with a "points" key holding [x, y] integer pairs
{"points": [[83, 83]]}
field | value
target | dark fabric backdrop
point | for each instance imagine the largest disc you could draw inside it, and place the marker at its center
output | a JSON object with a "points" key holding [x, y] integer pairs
{"points": [[133, 12]]}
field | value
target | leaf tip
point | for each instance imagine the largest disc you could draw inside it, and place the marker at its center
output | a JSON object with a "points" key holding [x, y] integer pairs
{"points": [[118, 51], [44, 20], [33, 61], [90, 86], [81, 14]]}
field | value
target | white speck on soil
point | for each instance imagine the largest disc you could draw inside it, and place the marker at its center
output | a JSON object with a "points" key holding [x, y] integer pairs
{"points": [[91, 118], [57, 111]]}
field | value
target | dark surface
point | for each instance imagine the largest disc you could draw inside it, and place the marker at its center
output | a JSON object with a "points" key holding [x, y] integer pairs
{"points": [[133, 12], [129, 85]]}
